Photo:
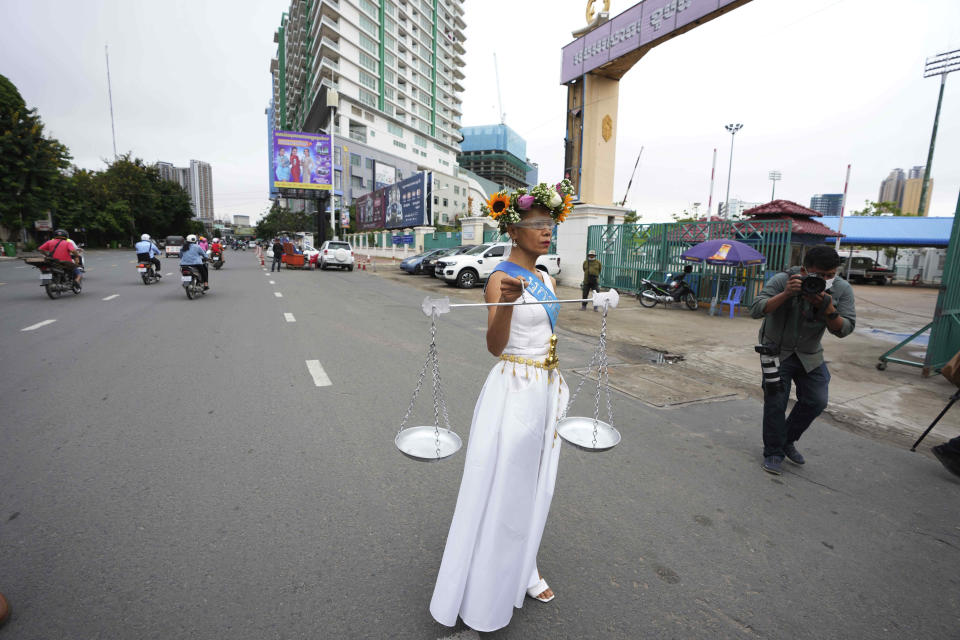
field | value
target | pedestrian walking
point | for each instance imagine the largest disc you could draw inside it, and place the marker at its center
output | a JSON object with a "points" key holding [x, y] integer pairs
{"points": [[591, 277], [277, 254], [490, 561], [794, 319]]}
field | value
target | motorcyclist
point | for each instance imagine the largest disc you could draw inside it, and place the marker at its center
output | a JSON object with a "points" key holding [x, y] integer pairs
{"points": [[216, 248], [191, 255], [202, 243], [61, 248], [147, 251]]}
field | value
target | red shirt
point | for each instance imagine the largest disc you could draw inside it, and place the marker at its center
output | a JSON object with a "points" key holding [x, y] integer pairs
{"points": [[63, 248], [216, 248]]}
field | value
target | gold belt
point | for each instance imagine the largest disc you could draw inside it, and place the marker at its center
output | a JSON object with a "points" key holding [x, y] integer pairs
{"points": [[550, 362]]}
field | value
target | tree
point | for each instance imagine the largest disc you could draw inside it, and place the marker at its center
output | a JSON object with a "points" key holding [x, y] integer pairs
{"points": [[30, 163], [630, 217], [282, 219], [879, 209]]}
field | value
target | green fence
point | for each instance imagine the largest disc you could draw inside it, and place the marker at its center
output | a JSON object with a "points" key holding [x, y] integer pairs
{"points": [[630, 252], [944, 329], [441, 240]]}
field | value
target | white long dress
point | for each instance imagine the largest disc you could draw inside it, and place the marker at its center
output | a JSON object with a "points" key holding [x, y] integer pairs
{"points": [[508, 479]]}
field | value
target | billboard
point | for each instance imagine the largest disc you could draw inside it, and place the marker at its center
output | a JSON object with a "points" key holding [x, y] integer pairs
{"points": [[383, 174], [301, 161], [401, 205], [640, 25]]}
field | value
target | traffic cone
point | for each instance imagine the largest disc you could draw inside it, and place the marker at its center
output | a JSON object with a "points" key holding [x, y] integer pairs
{"points": [[261, 261]]}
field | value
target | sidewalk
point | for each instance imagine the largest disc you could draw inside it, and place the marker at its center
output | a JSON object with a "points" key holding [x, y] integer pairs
{"points": [[718, 361]]}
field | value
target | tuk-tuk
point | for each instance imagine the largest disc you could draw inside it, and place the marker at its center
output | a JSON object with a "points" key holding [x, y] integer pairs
{"points": [[172, 247]]}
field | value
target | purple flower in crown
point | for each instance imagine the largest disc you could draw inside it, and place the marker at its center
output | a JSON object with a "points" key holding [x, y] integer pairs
{"points": [[524, 203], [559, 187]]}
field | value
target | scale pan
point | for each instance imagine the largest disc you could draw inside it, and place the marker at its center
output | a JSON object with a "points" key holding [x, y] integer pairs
{"points": [[420, 443], [579, 433]]}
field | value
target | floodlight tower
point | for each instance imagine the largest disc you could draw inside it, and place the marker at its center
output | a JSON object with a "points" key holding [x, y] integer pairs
{"points": [[732, 128], [939, 65], [774, 176]]}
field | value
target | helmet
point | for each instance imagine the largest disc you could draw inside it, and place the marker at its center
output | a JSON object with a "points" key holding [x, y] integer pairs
{"points": [[202, 238], [145, 236], [216, 239], [60, 233], [191, 238]]}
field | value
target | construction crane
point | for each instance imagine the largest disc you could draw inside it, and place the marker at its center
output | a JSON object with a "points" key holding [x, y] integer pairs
{"points": [[635, 165], [496, 71]]}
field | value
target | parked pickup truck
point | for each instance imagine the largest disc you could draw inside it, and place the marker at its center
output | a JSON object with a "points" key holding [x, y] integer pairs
{"points": [[863, 270], [476, 265]]}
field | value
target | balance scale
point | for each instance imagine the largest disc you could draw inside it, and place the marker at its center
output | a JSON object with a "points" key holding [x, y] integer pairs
{"points": [[433, 443]]}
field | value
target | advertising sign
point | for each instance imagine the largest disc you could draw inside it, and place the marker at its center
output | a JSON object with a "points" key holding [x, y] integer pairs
{"points": [[642, 24], [398, 206], [384, 174], [301, 161]]}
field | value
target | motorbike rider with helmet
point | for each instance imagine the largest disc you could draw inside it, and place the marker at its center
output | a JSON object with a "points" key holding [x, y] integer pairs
{"points": [[191, 255], [216, 248], [147, 251], [61, 248]]}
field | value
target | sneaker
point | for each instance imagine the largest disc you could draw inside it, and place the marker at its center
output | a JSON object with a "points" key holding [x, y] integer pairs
{"points": [[950, 461], [773, 464], [793, 455]]}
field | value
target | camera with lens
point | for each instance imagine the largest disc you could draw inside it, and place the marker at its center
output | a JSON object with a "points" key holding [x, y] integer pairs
{"points": [[770, 367], [812, 284]]}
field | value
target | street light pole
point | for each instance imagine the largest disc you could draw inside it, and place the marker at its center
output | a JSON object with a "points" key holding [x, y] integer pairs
{"points": [[939, 65], [774, 176], [732, 128]]}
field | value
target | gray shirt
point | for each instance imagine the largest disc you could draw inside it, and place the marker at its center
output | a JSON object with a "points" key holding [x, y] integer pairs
{"points": [[796, 326]]}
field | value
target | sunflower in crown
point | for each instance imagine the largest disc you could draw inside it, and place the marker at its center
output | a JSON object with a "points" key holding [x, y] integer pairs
{"points": [[506, 207]]}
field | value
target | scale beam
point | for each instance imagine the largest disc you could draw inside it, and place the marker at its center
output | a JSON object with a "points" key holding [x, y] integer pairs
{"points": [[608, 299]]}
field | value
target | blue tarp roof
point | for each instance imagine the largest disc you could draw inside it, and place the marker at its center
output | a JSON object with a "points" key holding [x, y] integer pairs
{"points": [[892, 230]]}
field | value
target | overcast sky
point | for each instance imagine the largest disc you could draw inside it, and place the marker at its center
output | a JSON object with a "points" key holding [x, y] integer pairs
{"points": [[816, 83]]}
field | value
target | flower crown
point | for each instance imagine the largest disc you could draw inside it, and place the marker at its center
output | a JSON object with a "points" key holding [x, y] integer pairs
{"points": [[506, 207]]}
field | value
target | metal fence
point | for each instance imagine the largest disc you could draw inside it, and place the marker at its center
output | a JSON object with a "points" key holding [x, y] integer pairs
{"points": [[441, 240], [630, 252]]}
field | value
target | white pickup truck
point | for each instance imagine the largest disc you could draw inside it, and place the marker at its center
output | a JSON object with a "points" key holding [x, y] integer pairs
{"points": [[467, 269]]}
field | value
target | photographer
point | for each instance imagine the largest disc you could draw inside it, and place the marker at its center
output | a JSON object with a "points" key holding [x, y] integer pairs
{"points": [[796, 307]]}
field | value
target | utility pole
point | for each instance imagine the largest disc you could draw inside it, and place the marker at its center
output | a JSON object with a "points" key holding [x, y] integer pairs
{"points": [[939, 65], [713, 172], [732, 128], [113, 131]]}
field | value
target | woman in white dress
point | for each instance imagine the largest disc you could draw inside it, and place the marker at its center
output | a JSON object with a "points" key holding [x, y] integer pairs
{"points": [[489, 563]]}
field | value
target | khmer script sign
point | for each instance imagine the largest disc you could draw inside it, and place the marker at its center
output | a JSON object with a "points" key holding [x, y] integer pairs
{"points": [[640, 25]]}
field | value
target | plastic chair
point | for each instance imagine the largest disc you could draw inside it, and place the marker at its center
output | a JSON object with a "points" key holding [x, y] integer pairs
{"points": [[734, 295]]}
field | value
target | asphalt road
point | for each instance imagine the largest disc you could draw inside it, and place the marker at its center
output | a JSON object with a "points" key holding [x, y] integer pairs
{"points": [[170, 469]]}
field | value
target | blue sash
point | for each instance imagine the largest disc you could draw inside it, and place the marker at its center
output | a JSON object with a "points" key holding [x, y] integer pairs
{"points": [[534, 286]]}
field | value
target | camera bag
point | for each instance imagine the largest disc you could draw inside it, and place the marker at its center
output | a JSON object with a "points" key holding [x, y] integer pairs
{"points": [[951, 370]]}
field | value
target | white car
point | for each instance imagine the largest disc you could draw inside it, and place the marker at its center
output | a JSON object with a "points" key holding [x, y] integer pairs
{"points": [[336, 253], [467, 269]]}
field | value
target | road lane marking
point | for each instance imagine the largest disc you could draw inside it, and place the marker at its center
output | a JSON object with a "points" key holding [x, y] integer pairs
{"points": [[278, 294], [273, 282], [320, 377], [113, 265], [116, 295], [19, 267], [289, 317], [168, 274], [38, 325]]}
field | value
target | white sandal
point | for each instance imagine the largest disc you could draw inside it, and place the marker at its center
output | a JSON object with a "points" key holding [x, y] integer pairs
{"points": [[536, 590]]}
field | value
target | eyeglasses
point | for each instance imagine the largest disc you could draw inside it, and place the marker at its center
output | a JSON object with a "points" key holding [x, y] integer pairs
{"points": [[539, 225]]}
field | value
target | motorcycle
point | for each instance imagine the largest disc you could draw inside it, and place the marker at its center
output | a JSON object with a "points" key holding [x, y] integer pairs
{"points": [[147, 272], [55, 276], [676, 290], [216, 260], [192, 282]]}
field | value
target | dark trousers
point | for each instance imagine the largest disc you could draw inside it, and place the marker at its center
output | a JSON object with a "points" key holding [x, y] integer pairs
{"points": [[590, 284], [780, 429], [145, 257], [276, 262]]}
